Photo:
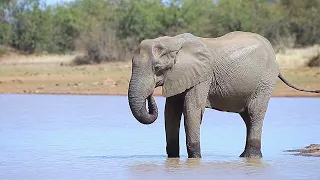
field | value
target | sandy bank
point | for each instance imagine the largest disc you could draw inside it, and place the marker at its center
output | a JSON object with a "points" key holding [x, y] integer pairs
{"points": [[51, 74]]}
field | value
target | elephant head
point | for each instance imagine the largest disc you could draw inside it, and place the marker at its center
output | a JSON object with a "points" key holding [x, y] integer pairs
{"points": [[176, 63]]}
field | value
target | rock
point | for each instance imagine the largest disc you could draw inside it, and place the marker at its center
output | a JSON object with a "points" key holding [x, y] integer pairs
{"points": [[311, 150], [96, 83], [80, 84], [109, 82], [17, 80], [41, 87], [77, 84]]}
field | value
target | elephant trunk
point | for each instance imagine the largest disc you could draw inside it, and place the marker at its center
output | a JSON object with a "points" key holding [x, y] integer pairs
{"points": [[137, 95]]}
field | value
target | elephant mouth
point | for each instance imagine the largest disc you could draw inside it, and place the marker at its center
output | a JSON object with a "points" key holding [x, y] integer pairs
{"points": [[159, 83]]}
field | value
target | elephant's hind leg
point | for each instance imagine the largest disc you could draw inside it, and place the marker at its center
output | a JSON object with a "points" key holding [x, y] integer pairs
{"points": [[253, 117], [173, 112]]}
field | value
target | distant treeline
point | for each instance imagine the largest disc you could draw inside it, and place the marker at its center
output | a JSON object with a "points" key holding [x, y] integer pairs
{"points": [[111, 29]]}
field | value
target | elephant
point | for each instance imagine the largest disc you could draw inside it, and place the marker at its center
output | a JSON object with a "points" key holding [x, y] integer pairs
{"points": [[236, 73]]}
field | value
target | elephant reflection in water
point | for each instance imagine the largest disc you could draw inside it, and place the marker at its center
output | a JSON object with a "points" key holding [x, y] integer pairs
{"points": [[189, 165], [235, 73]]}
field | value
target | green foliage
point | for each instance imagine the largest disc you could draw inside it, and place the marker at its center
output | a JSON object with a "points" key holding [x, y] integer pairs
{"points": [[98, 36], [66, 27], [194, 16], [32, 31], [5, 30], [108, 30], [33, 27], [245, 15], [303, 17], [141, 19]]}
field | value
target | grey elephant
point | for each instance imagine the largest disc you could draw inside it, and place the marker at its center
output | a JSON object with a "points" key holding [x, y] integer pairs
{"points": [[235, 73]]}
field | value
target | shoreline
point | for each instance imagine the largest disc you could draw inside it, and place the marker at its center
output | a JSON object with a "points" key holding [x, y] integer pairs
{"points": [[155, 95]]}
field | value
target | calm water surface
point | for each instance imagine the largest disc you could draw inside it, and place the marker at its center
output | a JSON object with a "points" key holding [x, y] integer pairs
{"points": [[96, 137]]}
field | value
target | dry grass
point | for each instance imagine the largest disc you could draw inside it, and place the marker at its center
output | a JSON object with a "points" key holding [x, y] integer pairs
{"points": [[99, 79], [20, 59], [297, 58]]}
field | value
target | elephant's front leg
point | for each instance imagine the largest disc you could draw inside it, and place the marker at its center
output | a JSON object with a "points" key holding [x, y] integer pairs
{"points": [[173, 111], [194, 106]]}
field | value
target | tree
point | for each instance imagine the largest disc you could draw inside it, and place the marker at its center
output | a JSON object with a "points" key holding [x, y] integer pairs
{"points": [[111, 29], [303, 18], [142, 19]]}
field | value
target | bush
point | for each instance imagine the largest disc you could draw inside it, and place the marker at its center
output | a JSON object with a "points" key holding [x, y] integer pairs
{"points": [[279, 35], [303, 19], [109, 30], [314, 61], [3, 51], [81, 60], [98, 52]]}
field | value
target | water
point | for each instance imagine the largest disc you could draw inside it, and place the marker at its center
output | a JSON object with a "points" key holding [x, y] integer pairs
{"points": [[96, 137]]}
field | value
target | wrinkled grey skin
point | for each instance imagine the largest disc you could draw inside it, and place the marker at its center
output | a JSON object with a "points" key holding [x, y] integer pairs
{"points": [[235, 73]]}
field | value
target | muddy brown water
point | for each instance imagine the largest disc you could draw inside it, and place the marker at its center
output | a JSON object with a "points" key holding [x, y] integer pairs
{"points": [[96, 137]]}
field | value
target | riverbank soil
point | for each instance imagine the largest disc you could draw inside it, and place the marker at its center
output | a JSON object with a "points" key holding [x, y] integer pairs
{"points": [[53, 74], [113, 79], [311, 150]]}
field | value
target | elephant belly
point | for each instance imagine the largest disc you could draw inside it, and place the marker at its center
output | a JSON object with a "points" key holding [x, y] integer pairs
{"points": [[228, 104], [229, 95]]}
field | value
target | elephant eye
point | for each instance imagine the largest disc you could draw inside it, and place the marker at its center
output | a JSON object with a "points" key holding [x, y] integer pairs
{"points": [[157, 68]]}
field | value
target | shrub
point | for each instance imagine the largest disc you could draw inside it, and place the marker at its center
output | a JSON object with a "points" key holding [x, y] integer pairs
{"points": [[109, 30], [314, 61], [98, 52]]}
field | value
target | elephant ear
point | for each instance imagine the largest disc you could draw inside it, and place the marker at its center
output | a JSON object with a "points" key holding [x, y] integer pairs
{"points": [[192, 66]]}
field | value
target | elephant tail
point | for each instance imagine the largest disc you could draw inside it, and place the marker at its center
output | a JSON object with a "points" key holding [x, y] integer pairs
{"points": [[294, 87]]}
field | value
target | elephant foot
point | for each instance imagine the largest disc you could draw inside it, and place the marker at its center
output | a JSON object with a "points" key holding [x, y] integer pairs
{"points": [[251, 154], [173, 155], [253, 149], [173, 149], [194, 155], [194, 150]]}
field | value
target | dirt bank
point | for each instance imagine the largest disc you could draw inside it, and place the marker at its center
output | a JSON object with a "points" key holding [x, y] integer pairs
{"points": [[50, 75], [311, 150]]}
